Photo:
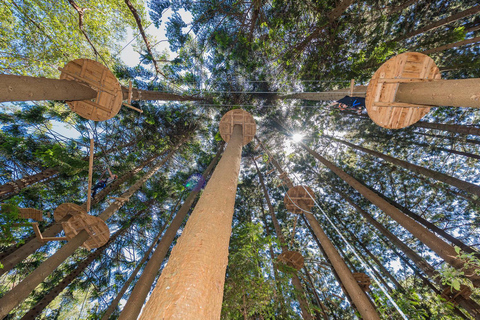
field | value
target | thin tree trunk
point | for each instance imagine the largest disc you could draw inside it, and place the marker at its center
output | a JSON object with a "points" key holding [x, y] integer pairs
{"points": [[138, 94], [144, 283], [18, 294], [33, 244], [449, 138], [299, 292], [113, 305], [12, 188], [274, 265], [81, 266], [460, 184], [452, 45], [475, 9], [317, 298], [402, 6], [440, 247]]}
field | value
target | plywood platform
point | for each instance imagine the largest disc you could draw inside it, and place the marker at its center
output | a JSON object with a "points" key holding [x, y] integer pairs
{"points": [[109, 92], [96, 228], [298, 199], [381, 91], [292, 259], [241, 117]]}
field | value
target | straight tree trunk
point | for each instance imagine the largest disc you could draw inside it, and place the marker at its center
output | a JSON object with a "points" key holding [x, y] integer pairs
{"points": [[362, 303], [299, 292], [449, 138], [317, 298], [472, 307], [12, 188], [54, 292], [33, 244], [440, 247], [138, 94], [460, 15], [191, 285], [460, 184], [141, 289], [113, 305], [18, 294]]}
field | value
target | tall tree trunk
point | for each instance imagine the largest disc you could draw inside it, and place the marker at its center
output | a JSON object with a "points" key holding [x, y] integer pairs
{"points": [[299, 292], [460, 184], [463, 14], [191, 285], [81, 266], [138, 94], [12, 188], [274, 266], [472, 307], [449, 138], [113, 305], [20, 253], [359, 297], [452, 45], [440, 247], [18, 294], [144, 283], [317, 298]]}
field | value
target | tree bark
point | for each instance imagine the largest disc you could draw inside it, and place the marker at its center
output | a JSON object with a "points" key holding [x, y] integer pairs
{"points": [[33, 244], [460, 184], [191, 285], [18, 294], [440, 247], [299, 292], [455, 128], [141, 289], [463, 14], [24, 88]]}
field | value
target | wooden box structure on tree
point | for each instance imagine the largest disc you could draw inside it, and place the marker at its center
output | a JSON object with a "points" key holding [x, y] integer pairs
{"points": [[109, 92], [363, 280], [30, 213], [298, 199], [380, 100], [450, 294], [292, 259], [241, 117], [96, 228]]}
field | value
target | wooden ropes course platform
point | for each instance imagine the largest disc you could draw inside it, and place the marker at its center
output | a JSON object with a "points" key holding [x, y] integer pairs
{"points": [[241, 117], [299, 199], [30, 213], [292, 259], [109, 92], [380, 100]]}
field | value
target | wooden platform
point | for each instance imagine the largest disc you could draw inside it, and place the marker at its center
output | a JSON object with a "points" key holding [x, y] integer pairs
{"points": [[96, 228], [109, 92], [30, 213], [238, 116], [67, 208], [292, 259], [363, 280], [298, 198], [381, 91]]}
